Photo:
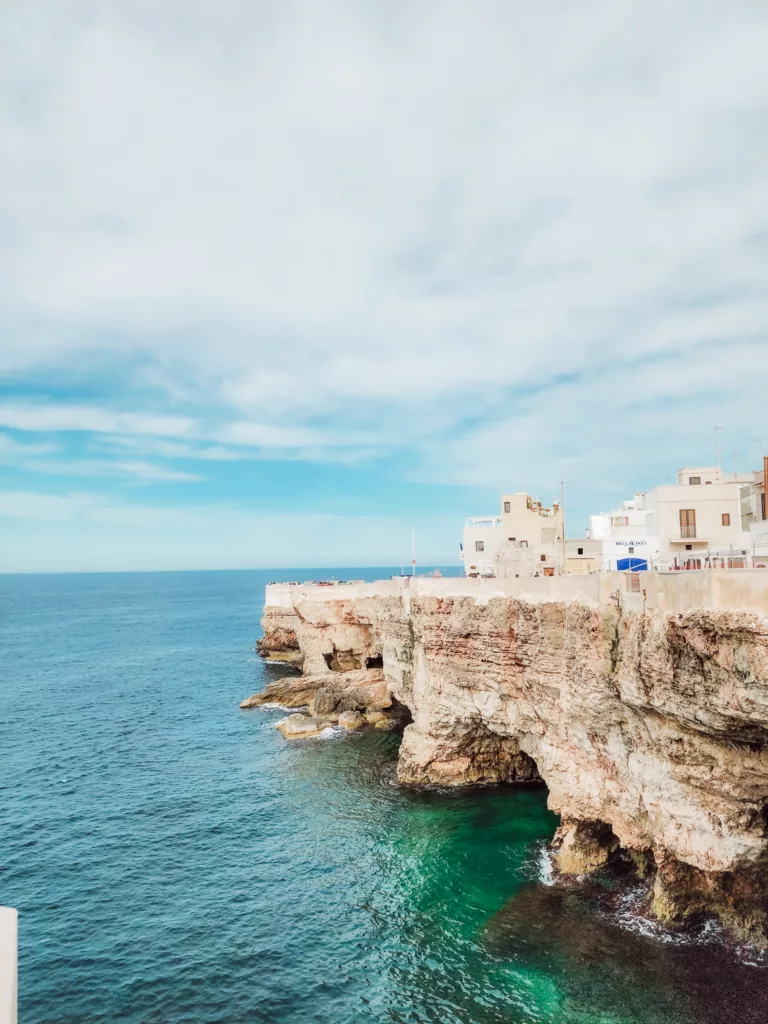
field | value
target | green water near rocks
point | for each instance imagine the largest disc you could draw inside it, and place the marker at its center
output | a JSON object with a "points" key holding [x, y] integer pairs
{"points": [[174, 860]]}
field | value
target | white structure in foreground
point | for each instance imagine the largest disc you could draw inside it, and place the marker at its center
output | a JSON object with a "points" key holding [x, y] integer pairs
{"points": [[9, 930]]}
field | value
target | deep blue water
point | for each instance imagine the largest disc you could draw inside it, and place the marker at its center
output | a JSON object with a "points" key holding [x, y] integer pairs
{"points": [[174, 859]]}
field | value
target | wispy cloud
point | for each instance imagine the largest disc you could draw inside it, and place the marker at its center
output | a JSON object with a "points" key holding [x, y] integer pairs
{"points": [[48, 417], [144, 472], [459, 240], [13, 450], [173, 449]]}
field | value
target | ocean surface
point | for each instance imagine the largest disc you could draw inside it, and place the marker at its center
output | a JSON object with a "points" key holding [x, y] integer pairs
{"points": [[174, 859]]}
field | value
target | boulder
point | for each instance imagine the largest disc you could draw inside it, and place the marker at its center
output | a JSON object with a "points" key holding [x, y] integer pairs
{"points": [[583, 846], [300, 726], [351, 720], [376, 717]]}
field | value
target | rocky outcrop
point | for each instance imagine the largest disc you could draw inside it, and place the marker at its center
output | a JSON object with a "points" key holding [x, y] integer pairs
{"points": [[351, 699], [646, 717], [280, 644], [300, 727]]}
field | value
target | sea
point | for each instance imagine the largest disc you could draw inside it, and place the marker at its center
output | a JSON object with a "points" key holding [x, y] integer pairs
{"points": [[174, 859]]}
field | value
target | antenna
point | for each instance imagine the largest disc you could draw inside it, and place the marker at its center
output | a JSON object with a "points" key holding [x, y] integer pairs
{"points": [[718, 449], [562, 519], [413, 551]]}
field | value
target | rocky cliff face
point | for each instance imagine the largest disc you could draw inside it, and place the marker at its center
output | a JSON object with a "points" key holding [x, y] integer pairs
{"points": [[649, 728]]}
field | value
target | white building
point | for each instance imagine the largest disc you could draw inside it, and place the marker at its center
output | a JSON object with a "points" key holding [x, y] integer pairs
{"points": [[698, 519], [627, 536], [481, 545], [753, 515], [524, 540]]}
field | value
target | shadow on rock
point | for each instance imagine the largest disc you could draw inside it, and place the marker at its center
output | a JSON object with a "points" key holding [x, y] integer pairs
{"points": [[605, 965]]}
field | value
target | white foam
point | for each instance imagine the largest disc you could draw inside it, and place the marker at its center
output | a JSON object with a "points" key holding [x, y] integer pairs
{"points": [[545, 865], [330, 732]]}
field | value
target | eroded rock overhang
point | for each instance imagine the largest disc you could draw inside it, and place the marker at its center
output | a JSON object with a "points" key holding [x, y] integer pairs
{"points": [[640, 700]]}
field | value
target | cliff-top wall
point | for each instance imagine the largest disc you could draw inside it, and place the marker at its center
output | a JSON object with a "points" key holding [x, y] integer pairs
{"points": [[641, 700]]}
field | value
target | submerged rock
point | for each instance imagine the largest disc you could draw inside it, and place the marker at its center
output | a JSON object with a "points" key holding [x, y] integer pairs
{"points": [[601, 957]]}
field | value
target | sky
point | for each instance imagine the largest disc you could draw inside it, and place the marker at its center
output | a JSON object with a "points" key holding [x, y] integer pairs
{"points": [[281, 281]]}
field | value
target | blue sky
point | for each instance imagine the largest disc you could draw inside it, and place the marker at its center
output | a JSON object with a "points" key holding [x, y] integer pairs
{"points": [[280, 280]]}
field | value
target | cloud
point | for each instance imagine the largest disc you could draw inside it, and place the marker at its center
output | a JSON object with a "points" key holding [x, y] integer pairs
{"points": [[11, 450], [45, 416], [468, 239], [143, 472], [173, 449]]}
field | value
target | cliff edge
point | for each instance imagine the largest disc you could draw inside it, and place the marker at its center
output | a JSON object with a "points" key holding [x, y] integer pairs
{"points": [[640, 700]]}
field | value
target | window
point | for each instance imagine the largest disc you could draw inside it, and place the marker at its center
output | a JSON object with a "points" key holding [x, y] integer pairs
{"points": [[694, 479], [511, 540], [621, 521], [762, 505], [523, 543], [687, 522], [631, 550], [479, 545], [726, 518], [542, 558], [506, 506], [580, 551], [689, 547]]}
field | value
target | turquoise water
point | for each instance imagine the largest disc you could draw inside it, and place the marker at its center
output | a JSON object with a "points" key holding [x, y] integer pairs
{"points": [[174, 859]]}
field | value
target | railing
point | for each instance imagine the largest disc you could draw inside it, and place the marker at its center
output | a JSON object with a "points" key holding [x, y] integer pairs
{"points": [[687, 532], [485, 521]]}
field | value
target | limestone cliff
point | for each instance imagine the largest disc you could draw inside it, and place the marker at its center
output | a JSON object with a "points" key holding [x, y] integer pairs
{"points": [[646, 714]]}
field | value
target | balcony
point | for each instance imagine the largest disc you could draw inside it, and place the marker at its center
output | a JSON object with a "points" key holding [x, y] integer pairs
{"points": [[688, 533], [485, 521]]}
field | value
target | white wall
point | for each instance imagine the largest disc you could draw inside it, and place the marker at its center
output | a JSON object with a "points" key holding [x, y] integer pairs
{"points": [[673, 592], [491, 537], [709, 501]]}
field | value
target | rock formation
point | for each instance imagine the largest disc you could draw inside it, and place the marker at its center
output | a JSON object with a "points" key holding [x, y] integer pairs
{"points": [[646, 717], [352, 699]]}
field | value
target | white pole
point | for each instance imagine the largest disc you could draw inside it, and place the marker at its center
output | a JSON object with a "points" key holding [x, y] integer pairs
{"points": [[8, 965], [402, 557], [413, 551], [562, 516]]}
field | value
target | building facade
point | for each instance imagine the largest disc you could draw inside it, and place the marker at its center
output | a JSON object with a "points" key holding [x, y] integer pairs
{"points": [[754, 519], [706, 519], [627, 541], [698, 519], [525, 539]]}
